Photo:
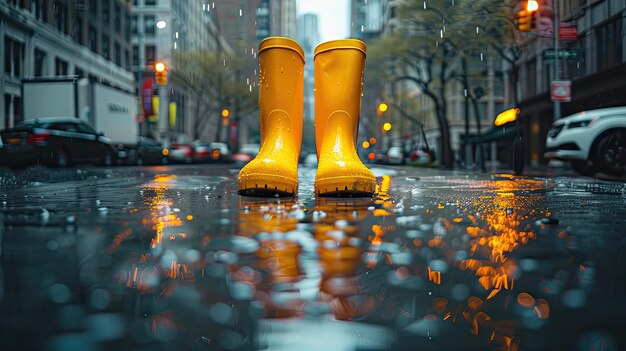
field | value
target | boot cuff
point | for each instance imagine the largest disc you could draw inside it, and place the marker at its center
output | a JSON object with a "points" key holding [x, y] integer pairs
{"points": [[282, 43], [353, 44]]}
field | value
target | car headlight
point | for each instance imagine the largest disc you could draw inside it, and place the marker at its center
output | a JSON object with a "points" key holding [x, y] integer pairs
{"points": [[580, 124]]}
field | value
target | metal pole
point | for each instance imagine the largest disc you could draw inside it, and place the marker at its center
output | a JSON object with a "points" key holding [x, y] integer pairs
{"points": [[557, 105]]}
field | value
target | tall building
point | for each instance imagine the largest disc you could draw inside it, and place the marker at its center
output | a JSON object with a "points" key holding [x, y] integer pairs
{"points": [[597, 72], [366, 18], [277, 18], [42, 38], [309, 38], [163, 28]]}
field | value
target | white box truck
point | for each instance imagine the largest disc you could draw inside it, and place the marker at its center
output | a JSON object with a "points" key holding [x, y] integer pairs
{"points": [[109, 110]]}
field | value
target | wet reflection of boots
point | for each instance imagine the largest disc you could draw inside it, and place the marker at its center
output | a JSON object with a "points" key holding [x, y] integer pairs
{"points": [[269, 221], [340, 251]]}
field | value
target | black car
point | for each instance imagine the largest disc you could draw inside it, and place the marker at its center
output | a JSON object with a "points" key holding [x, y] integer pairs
{"points": [[150, 152], [54, 141]]}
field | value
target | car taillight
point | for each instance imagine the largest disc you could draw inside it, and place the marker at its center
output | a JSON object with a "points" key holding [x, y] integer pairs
{"points": [[36, 138], [189, 152]]}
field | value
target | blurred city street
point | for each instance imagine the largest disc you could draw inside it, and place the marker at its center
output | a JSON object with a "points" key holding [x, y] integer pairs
{"points": [[171, 258]]}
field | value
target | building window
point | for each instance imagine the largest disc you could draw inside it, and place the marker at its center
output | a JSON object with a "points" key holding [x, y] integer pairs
{"points": [[105, 46], [609, 44], [127, 59], [133, 24], [93, 8], [38, 9], [60, 16], [93, 42], [60, 67], [135, 55], [150, 54], [150, 2], [392, 12], [17, 110], [40, 63], [106, 13], [150, 24], [118, 18], [13, 57], [79, 72], [118, 54], [78, 29], [127, 26]]}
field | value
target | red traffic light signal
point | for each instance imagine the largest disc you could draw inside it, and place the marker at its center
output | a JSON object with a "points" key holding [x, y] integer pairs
{"points": [[526, 15], [160, 73]]}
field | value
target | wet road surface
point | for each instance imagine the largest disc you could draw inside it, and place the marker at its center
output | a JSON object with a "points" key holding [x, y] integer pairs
{"points": [[170, 258]]}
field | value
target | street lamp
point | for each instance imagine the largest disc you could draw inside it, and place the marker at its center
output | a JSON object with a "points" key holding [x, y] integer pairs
{"points": [[161, 24], [387, 126]]}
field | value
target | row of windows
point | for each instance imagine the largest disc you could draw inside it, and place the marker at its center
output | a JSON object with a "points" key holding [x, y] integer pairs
{"points": [[15, 56], [72, 22]]}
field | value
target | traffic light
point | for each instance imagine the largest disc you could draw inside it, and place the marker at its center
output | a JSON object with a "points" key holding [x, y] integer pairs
{"points": [[381, 108], [160, 72], [225, 113], [526, 15]]}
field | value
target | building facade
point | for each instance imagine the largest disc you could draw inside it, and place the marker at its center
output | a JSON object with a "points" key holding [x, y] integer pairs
{"points": [[598, 73], [44, 38], [164, 28]]}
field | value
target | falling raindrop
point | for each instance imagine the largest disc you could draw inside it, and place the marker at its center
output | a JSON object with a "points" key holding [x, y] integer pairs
{"points": [[441, 33], [224, 62], [240, 12], [476, 29], [250, 88], [482, 56], [362, 27], [465, 92], [424, 5]]}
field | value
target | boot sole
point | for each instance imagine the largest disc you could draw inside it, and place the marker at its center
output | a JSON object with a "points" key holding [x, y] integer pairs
{"points": [[348, 186], [267, 185]]}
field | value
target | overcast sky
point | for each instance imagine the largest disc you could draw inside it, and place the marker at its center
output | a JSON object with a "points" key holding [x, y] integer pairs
{"points": [[334, 17]]}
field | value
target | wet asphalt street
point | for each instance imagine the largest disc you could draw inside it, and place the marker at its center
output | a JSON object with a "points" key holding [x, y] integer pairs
{"points": [[171, 258]]}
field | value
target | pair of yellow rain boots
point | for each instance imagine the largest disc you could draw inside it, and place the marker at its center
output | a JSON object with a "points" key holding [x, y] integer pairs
{"points": [[338, 86]]}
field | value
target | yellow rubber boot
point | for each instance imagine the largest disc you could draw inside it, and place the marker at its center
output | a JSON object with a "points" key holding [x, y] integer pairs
{"points": [[338, 86], [274, 171]]}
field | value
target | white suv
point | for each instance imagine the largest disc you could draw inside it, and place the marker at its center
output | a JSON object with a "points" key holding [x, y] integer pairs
{"points": [[592, 141]]}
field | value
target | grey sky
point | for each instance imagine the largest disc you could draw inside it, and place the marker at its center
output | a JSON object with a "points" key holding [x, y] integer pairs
{"points": [[334, 17]]}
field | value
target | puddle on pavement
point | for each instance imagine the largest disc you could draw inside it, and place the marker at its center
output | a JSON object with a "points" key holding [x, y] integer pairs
{"points": [[181, 262]]}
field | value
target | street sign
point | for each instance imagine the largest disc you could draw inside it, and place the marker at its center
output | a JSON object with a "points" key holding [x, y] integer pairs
{"points": [[567, 32], [570, 54], [561, 90]]}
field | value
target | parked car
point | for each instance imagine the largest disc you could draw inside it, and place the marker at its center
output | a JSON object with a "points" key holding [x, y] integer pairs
{"points": [[180, 153], [151, 152], [212, 152], [246, 153], [419, 156], [591, 141], [54, 141], [394, 156]]}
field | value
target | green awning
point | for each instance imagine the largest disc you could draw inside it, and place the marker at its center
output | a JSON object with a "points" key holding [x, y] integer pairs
{"points": [[494, 134]]}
